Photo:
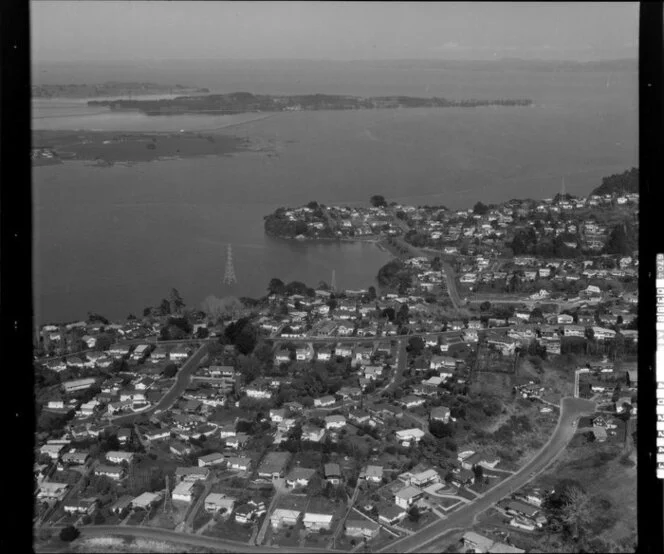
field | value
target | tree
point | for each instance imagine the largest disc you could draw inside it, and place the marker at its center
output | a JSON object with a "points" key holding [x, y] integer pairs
{"points": [[478, 470], [436, 264], [485, 306], [414, 514], [104, 342], [378, 201], [480, 208], [97, 318], [415, 345], [276, 286], [170, 371], [623, 239], [69, 533], [202, 333], [372, 293], [176, 301], [165, 307], [402, 315]]}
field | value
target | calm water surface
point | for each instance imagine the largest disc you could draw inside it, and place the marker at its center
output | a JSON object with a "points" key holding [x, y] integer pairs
{"points": [[115, 240]]}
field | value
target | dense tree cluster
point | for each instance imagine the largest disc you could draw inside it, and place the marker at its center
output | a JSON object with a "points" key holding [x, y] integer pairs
{"points": [[620, 183]]}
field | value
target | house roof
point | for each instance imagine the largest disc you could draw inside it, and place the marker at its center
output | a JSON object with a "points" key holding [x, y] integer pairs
{"points": [[408, 492], [332, 470]]}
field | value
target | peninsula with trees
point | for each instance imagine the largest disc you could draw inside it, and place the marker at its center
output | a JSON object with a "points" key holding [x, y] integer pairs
{"points": [[245, 102], [110, 88]]}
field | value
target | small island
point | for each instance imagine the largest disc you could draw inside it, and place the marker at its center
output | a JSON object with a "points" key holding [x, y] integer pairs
{"points": [[108, 147], [245, 102]]}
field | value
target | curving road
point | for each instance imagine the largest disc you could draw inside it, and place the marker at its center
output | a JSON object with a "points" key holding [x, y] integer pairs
{"points": [[464, 518], [151, 533], [181, 381]]}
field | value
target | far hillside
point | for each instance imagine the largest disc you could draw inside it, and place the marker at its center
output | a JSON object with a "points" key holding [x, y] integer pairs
{"points": [[619, 183]]}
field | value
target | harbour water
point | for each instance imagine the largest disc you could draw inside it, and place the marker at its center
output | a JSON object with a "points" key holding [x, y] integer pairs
{"points": [[116, 239]]}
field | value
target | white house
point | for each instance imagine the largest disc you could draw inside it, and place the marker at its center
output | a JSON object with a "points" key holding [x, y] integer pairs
{"points": [[282, 517], [405, 497], [316, 521], [324, 401], [219, 503], [183, 491], [408, 435], [335, 422], [117, 457]]}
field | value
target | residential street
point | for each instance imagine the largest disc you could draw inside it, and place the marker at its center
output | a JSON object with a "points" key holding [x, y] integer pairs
{"points": [[428, 537], [181, 381]]}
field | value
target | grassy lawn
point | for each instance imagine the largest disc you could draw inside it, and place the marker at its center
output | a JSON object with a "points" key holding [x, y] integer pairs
{"points": [[288, 537], [201, 519], [447, 503], [230, 530], [466, 494]]}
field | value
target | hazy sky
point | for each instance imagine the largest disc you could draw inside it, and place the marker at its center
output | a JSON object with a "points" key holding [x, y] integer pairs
{"points": [[85, 30]]}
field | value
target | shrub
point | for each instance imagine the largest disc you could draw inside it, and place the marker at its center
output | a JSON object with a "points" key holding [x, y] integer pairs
{"points": [[69, 533]]}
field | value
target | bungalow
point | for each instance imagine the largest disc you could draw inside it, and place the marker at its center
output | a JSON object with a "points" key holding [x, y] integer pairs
{"points": [[314, 521], [601, 333], [258, 391], [52, 450], [362, 528], [440, 413], [440, 362], [332, 473], [324, 354], [405, 497], [122, 503], [80, 506], [324, 401], [462, 478], [312, 433], [192, 473], [250, 511], [282, 517], [574, 331], [238, 441], [239, 463], [405, 436], [124, 435], [155, 434], [219, 503], [273, 465], [364, 352], [344, 349], [227, 431], [411, 401], [117, 457], [424, 478], [304, 353], [75, 458], [283, 355], [359, 416], [476, 543], [518, 508], [179, 353], [299, 476], [183, 492], [372, 372], [114, 472], [213, 459], [565, 319], [373, 474], [335, 422], [392, 515], [277, 415], [146, 500]]}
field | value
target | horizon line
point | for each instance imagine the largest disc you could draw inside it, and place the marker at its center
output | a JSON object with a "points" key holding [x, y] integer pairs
{"points": [[456, 60]]}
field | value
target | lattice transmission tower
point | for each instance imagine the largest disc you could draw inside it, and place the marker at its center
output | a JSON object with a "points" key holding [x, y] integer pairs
{"points": [[229, 275], [168, 502], [333, 284]]}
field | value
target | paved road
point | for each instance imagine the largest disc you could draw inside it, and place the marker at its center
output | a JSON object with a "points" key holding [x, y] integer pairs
{"points": [[450, 280], [151, 533], [464, 518], [181, 381]]}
